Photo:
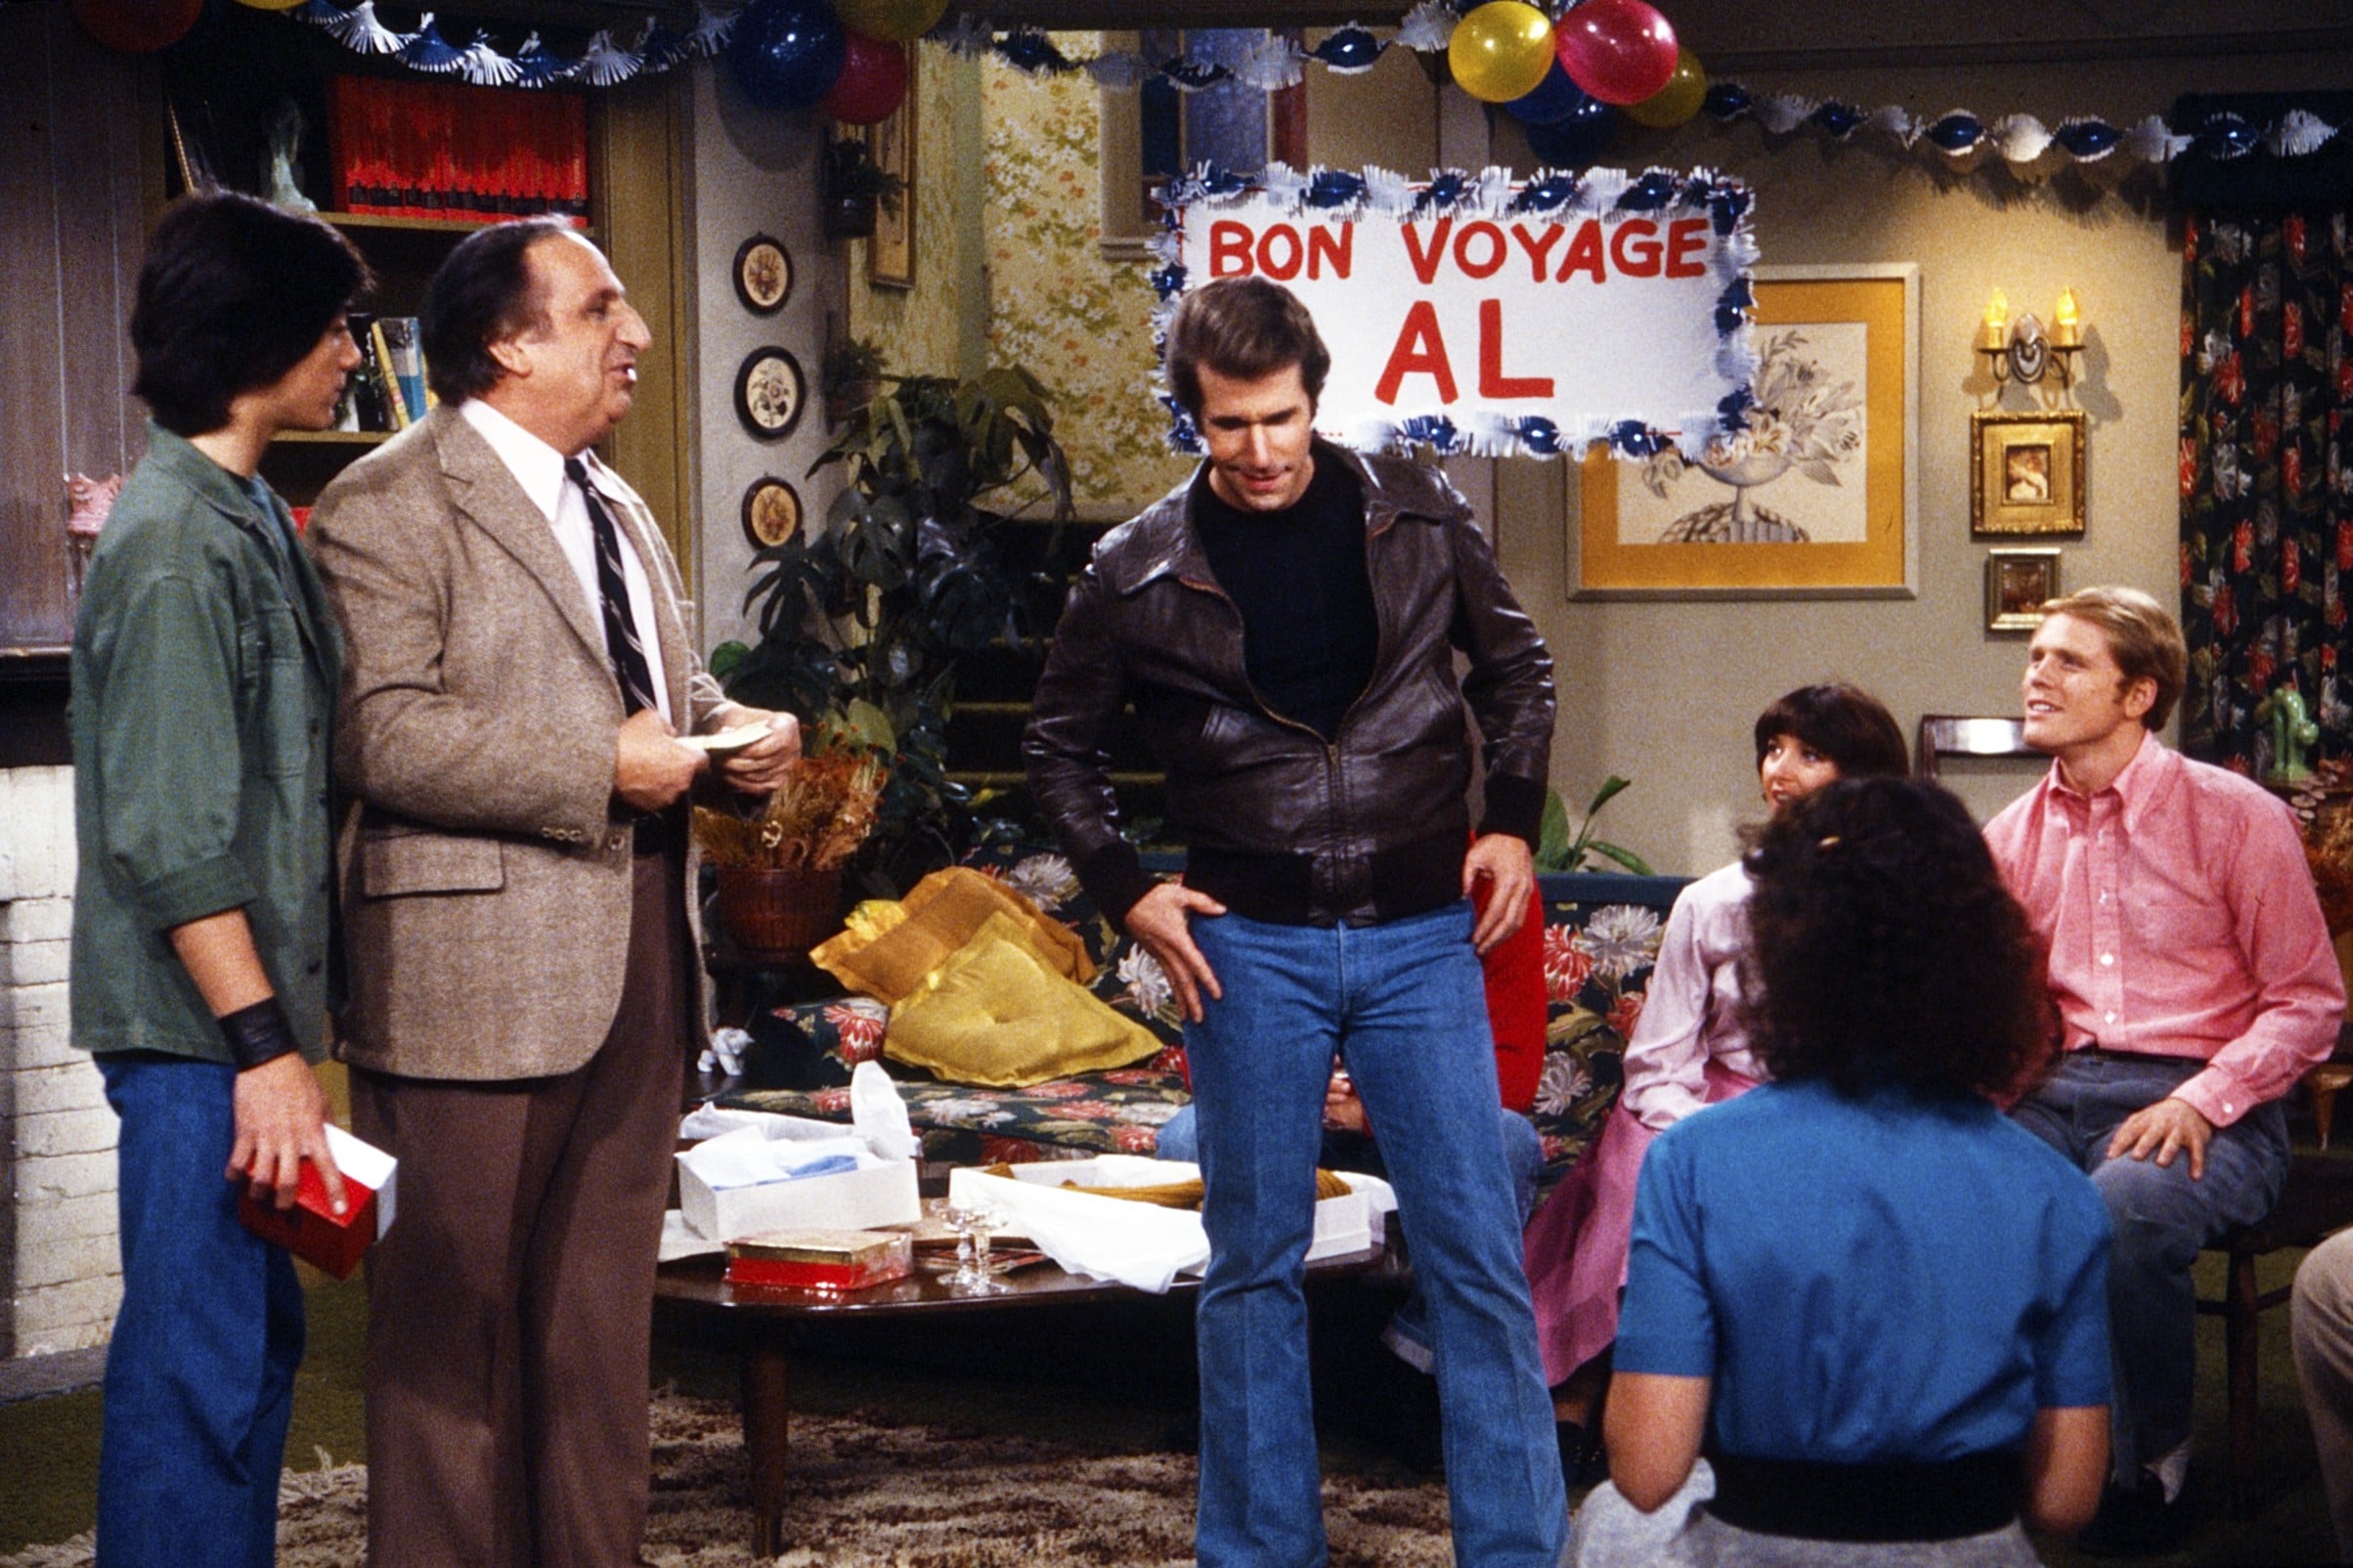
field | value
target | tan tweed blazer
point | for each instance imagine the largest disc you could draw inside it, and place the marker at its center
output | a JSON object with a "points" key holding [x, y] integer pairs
{"points": [[485, 861]]}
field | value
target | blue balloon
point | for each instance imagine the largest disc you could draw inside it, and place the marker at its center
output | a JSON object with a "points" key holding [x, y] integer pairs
{"points": [[787, 54], [1577, 142], [1555, 100]]}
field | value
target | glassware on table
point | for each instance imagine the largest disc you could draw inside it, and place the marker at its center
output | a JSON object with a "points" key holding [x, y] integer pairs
{"points": [[973, 1223]]}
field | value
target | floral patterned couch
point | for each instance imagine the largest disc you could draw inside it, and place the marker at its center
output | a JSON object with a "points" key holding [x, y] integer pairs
{"points": [[1602, 935]]}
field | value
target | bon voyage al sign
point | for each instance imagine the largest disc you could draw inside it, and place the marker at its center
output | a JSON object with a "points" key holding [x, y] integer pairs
{"points": [[1488, 315]]}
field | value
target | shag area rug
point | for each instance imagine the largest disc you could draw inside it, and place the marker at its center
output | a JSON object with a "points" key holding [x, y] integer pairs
{"points": [[868, 1495]]}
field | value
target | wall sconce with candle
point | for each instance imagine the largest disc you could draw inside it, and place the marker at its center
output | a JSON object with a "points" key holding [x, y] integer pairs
{"points": [[2019, 350]]}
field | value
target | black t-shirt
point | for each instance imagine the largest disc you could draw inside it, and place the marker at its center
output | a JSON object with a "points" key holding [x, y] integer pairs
{"points": [[1309, 631]]}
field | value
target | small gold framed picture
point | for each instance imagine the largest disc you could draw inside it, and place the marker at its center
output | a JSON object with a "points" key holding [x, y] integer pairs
{"points": [[2017, 582], [2027, 478]]}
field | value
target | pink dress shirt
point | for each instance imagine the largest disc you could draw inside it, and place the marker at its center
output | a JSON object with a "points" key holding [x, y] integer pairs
{"points": [[2180, 920], [1691, 1007]]}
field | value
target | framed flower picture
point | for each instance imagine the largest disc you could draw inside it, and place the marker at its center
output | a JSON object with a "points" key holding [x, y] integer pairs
{"points": [[1817, 498], [770, 392]]}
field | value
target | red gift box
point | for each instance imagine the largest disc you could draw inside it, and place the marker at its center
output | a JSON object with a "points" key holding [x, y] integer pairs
{"points": [[312, 1230]]}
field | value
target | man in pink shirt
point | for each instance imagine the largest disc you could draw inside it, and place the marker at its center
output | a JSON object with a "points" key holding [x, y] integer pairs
{"points": [[2195, 983]]}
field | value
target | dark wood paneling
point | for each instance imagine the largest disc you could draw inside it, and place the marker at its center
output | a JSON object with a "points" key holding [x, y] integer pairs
{"points": [[72, 215]]}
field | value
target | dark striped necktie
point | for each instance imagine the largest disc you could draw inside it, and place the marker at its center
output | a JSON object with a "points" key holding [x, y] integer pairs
{"points": [[620, 626]]}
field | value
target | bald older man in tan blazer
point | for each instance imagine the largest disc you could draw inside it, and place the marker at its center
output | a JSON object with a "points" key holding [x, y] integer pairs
{"points": [[518, 914]]}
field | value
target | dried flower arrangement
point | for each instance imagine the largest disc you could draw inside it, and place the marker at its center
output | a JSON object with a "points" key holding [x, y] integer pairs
{"points": [[814, 821]]}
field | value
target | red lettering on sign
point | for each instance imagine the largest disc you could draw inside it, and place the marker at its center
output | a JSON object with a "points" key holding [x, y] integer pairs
{"points": [[1535, 248], [1419, 351], [1229, 248], [1584, 253], [1687, 242], [1425, 262], [1279, 252], [1333, 245], [1493, 383], [1633, 251], [1490, 237]]}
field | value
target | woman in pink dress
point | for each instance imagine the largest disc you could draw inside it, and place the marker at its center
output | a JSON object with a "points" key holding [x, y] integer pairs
{"points": [[1689, 1050]]}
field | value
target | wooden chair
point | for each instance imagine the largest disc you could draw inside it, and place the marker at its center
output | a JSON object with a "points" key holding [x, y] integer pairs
{"points": [[1943, 735], [2317, 1200]]}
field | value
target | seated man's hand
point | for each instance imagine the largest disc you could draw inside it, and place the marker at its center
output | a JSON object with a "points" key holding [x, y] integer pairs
{"points": [[2163, 1129], [760, 768], [1342, 1109], [1161, 920], [651, 768]]}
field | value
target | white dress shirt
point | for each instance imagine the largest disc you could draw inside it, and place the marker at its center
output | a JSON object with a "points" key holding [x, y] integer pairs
{"points": [[539, 470]]}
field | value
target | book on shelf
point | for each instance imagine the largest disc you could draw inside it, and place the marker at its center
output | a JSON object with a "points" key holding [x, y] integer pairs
{"points": [[398, 342]]}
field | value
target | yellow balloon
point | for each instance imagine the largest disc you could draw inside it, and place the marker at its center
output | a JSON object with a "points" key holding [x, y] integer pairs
{"points": [[893, 21], [1677, 102], [1501, 51], [271, 5]]}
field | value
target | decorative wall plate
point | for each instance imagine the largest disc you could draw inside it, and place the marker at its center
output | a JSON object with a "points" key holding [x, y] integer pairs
{"points": [[763, 275], [771, 512], [768, 393]]}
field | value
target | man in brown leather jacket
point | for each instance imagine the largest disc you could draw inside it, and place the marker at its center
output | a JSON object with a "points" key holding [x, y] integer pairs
{"points": [[1287, 623]]}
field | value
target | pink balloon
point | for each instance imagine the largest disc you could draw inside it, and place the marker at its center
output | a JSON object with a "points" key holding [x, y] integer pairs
{"points": [[873, 81], [1620, 51]]}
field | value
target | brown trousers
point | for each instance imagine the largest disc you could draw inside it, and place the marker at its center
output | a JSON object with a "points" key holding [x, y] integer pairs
{"points": [[509, 1307]]}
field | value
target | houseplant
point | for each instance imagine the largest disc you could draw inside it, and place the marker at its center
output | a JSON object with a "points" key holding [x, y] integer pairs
{"points": [[862, 623], [1558, 851], [856, 189]]}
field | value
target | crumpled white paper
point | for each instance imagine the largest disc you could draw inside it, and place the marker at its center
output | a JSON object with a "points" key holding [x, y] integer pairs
{"points": [[749, 1158]]}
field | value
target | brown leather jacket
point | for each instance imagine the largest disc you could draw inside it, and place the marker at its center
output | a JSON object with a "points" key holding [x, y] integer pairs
{"points": [[1281, 825]]}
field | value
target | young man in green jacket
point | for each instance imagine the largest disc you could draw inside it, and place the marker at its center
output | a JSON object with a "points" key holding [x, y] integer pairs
{"points": [[204, 668]]}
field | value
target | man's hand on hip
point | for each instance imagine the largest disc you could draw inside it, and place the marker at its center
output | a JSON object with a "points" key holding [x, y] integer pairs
{"points": [[1161, 920], [2163, 1129], [280, 1113], [760, 767], [1508, 866], [650, 768]]}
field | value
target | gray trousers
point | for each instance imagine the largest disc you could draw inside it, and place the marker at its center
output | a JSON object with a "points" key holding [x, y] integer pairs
{"points": [[2323, 1317]]}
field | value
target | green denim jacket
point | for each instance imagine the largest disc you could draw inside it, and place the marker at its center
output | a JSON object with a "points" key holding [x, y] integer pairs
{"points": [[204, 668]]}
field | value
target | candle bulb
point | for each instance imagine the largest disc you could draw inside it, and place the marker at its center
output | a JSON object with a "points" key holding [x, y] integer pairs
{"points": [[1992, 336], [2067, 325]]}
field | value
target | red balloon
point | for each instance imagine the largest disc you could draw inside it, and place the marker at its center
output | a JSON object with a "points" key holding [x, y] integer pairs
{"points": [[138, 27], [1620, 51], [872, 83]]}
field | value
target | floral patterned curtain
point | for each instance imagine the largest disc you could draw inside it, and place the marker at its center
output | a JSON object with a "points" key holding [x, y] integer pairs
{"points": [[2266, 476]]}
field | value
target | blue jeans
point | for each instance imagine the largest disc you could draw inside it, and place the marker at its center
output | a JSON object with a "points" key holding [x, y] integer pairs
{"points": [[1402, 1005], [200, 1374], [2161, 1218], [1409, 1333]]}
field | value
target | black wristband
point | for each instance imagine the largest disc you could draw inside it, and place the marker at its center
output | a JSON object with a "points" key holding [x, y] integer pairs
{"points": [[258, 1033]]}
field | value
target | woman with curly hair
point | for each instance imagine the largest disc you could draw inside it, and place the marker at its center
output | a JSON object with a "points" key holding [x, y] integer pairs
{"points": [[1689, 1048], [1878, 1304]]}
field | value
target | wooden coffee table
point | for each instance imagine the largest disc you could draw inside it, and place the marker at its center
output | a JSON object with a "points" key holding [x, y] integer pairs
{"points": [[690, 1295]]}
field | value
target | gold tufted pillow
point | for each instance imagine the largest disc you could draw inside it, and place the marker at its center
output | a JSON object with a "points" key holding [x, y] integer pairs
{"points": [[997, 1012]]}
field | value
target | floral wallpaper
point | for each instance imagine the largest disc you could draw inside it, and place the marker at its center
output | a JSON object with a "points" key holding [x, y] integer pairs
{"points": [[1080, 323], [918, 329]]}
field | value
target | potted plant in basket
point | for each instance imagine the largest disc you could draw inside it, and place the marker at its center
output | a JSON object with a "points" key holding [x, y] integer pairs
{"points": [[863, 622], [856, 189], [779, 868]]}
